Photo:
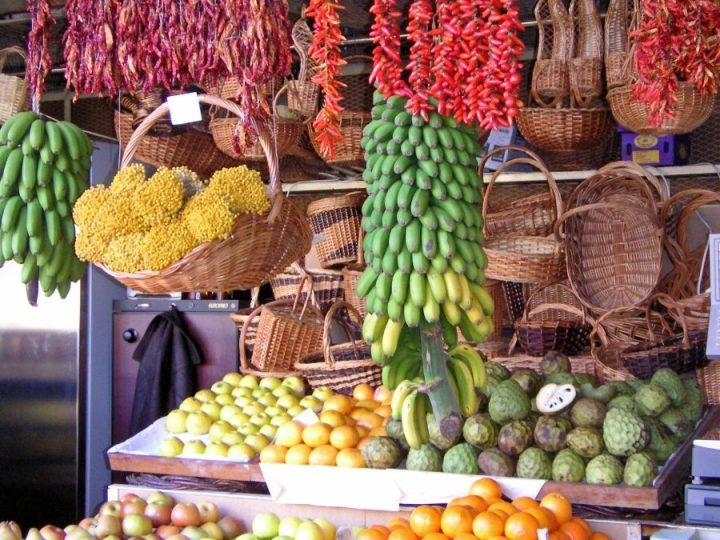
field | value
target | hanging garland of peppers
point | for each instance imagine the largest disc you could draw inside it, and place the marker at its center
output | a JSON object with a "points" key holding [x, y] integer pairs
{"points": [[421, 59], [387, 71], [39, 60], [675, 41]]}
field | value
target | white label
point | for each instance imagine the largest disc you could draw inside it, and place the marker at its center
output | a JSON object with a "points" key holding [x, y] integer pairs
{"points": [[184, 108]]}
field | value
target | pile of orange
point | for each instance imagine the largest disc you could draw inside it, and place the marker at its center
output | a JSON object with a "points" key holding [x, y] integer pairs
{"points": [[483, 514], [345, 424]]}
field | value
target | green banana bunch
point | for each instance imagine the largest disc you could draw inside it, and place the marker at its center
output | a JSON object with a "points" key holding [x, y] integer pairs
{"points": [[43, 170]]}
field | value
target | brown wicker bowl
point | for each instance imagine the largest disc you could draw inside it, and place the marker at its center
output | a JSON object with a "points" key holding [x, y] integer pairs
{"points": [[565, 129]]}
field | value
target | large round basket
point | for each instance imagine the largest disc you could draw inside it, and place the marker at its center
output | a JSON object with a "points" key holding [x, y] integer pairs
{"points": [[565, 129], [258, 248], [336, 222], [691, 111], [13, 90]]}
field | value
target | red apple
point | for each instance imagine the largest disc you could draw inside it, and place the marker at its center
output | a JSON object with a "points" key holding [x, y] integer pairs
{"points": [[130, 497], [166, 531], [136, 506], [230, 526], [51, 532], [136, 525], [159, 497], [194, 533], [185, 515], [87, 523], [212, 530], [159, 513], [208, 511], [111, 508], [151, 536], [177, 537], [108, 525]]}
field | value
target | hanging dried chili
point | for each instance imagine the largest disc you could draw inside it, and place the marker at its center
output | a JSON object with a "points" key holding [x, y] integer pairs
{"points": [[39, 60], [387, 70], [421, 59]]}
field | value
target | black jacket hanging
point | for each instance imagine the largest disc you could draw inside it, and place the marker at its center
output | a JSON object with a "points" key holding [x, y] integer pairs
{"points": [[168, 355]]}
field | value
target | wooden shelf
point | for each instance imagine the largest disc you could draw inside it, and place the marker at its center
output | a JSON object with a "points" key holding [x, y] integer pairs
{"points": [[310, 186]]}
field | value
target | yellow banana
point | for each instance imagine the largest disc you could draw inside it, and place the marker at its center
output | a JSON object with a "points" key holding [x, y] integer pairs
{"points": [[452, 285], [452, 313], [431, 309], [401, 392], [436, 285], [466, 294], [484, 298], [411, 426], [469, 402], [391, 336], [472, 359]]}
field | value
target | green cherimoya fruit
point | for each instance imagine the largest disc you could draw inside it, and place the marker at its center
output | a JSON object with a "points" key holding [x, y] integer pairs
{"points": [[624, 433], [426, 458], [694, 401], [508, 402], [437, 438], [461, 459], [480, 431], [550, 433], [514, 437], [586, 442], [555, 362], [560, 377], [491, 384], [586, 378], [497, 370], [528, 380], [602, 393], [640, 470], [677, 422], [587, 412], [651, 400], [553, 398], [534, 463], [568, 466], [622, 388], [662, 443], [622, 402], [493, 462], [604, 469], [382, 453], [394, 430], [673, 385]]}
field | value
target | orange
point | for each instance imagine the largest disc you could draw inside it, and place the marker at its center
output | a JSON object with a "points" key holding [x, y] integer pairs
{"points": [[383, 410], [273, 453], [370, 534], [558, 535], [378, 432], [505, 506], [457, 520], [465, 536], [559, 505], [323, 455], [425, 520], [357, 412], [369, 404], [491, 500], [338, 402], [382, 528], [298, 454], [544, 517], [333, 418], [436, 536], [580, 521], [486, 488], [350, 457], [317, 434], [575, 530], [363, 391], [599, 536], [402, 533], [498, 538], [382, 393], [394, 523], [523, 503], [502, 515], [290, 433], [521, 526], [488, 524], [344, 437], [475, 502], [362, 431]]}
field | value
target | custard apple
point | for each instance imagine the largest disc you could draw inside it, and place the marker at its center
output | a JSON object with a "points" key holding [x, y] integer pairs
{"points": [[586, 442], [587, 412], [381, 453], [677, 422], [623, 402], [480, 431], [425, 458], [437, 438], [651, 400], [550, 433], [568, 467], [514, 437], [604, 469], [671, 382], [461, 459], [495, 463], [534, 463], [555, 362], [624, 432], [662, 443], [508, 402], [640, 470]]}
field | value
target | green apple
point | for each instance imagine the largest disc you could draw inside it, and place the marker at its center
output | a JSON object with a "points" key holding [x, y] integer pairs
{"points": [[136, 525], [269, 431], [270, 382], [323, 392], [194, 447], [171, 447], [257, 442], [194, 532], [225, 399], [288, 526], [328, 528], [198, 423], [288, 401], [205, 395], [309, 530], [241, 391], [213, 530], [259, 392], [282, 390], [295, 410], [249, 381], [221, 387], [242, 452], [176, 421], [218, 449], [228, 411], [108, 525], [212, 409], [233, 378], [244, 401], [265, 525], [268, 400], [296, 384], [159, 497], [218, 429], [274, 411], [312, 402], [281, 419], [190, 404], [260, 419], [253, 408], [248, 429], [232, 438], [282, 537], [239, 419], [246, 536]]}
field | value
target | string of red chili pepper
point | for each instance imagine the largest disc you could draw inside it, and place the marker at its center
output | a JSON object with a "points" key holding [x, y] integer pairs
{"points": [[421, 60], [39, 60], [444, 53], [387, 69], [324, 51]]}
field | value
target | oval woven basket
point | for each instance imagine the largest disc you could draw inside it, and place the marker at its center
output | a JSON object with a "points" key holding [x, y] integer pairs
{"points": [[565, 129], [13, 90], [258, 248]]}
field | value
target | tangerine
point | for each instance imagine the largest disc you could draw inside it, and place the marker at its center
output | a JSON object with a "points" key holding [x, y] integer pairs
{"points": [[323, 455], [290, 433], [575, 530], [402, 533], [357, 412], [580, 521], [363, 431], [544, 517], [558, 535], [350, 458], [370, 534], [475, 502], [382, 393], [395, 523], [488, 524], [298, 454], [273, 453], [344, 437], [317, 434], [486, 488], [523, 503], [339, 402], [382, 528], [502, 515], [436, 536], [425, 520], [370, 404], [465, 536], [364, 440], [521, 526], [505, 506], [333, 418], [457, 520], [363, 391], [378, 432], [384, 410], [559, 505]]}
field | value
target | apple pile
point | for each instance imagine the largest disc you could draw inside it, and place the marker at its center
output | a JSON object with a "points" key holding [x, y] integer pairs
{"points": [[268, 526]]}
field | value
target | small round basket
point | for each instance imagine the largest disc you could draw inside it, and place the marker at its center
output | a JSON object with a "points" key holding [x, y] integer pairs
{"points": [[336, 222], [13, 90], [327, 285], [565, 129]]}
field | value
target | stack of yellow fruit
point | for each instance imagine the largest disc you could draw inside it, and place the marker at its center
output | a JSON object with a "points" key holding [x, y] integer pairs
{"points": [[147, 224]]}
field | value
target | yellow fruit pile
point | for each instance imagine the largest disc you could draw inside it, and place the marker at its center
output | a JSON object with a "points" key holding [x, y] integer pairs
{"points": [[141, 223]]}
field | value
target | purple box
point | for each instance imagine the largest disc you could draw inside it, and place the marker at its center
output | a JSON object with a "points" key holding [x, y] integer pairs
{"points": [[652, 150]]}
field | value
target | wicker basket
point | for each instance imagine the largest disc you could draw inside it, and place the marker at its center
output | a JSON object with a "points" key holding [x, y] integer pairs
{"points": [[586, 67], [13, 90], [257, 249], [327, 286], [709, 379], [618, 21], [352, 274], [285, 333], [340, 367], [578, 364], [529, 216], [524, 259], [565, 129], [550, 81], [303, 94], [348, 152], [336, 221], [241, 315]]}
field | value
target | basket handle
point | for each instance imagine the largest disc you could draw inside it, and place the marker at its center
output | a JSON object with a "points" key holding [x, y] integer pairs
{"points": [[531, 159], [599, 331], [327, 351], [677, 248], [275, 188], [630, 166], [560, 236], [676, 313], [547, 307], [539, 290], [7, 51]]}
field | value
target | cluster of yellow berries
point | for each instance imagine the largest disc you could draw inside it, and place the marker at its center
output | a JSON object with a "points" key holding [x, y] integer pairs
{"points": [[141, 223]]}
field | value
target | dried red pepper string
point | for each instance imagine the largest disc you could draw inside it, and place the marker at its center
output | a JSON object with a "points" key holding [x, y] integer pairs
{"points": [[325, 53], [39, 60], [387, 70], [421, 60]]}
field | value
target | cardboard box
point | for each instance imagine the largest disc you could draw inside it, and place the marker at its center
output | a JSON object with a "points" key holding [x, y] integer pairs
{"points": [[651, 150]]}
